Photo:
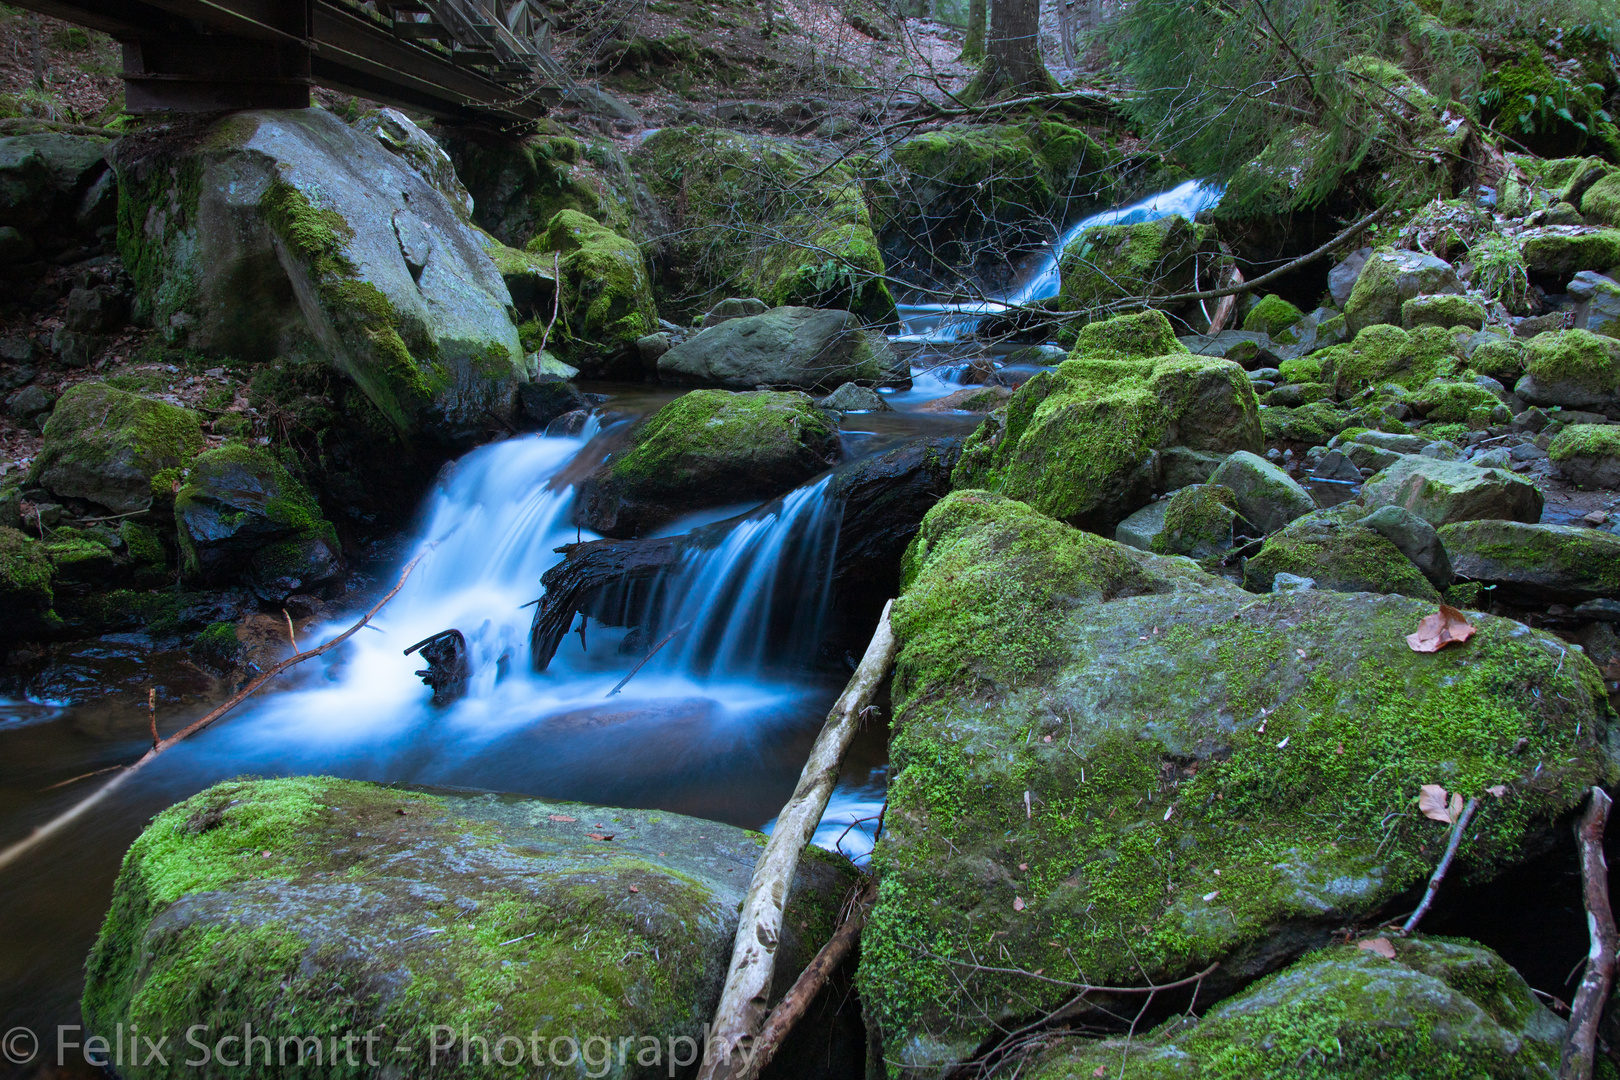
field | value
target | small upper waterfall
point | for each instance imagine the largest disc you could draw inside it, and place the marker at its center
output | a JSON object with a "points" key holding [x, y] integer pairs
{"points": [[946, 322]]}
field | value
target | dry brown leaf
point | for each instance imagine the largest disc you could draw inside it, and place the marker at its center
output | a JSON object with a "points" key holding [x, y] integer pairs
{"points": [[1018, 903], [1432, 803], [1498, 790], [600, 836], [561, 817], [1437, 631], [1101, 1070], [1379, 945], [1454, 808]]}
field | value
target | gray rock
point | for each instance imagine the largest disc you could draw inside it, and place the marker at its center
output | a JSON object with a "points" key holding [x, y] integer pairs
{"points": [[1364, 456], [651, 346], [1536, 325], [1140, 528], [1443, 492], [1267, 497], [1442, 450], [1599, 310], [1284, 582], [802, 348], [1526, 452], [1584, 284], [1535, 563], [75, 349], [41, 176], [18, 349], [1495, 458], [29, 402], [1339, 552], [1334, 465], [1417, 540], [1386, 440], [734, 308], [852, 398], [416, 148], [1389, 279], [542, 401], [1181, 466], [1604, 610], [1246, 348], [1265, 374], [97, 310], [1342, 278]]}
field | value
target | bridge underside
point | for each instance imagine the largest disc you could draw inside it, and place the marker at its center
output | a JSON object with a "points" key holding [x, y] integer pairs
{"points": [[213, 55]]}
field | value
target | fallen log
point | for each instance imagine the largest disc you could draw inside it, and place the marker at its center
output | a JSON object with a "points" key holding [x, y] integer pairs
{"points": [[740, 1016], [1575, 1063]]}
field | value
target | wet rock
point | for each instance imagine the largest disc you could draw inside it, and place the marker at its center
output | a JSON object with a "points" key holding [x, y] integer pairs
{"points": [[296, 235], [1112, 262], [734, 308], [1536, 563], [1084, 442], [1389, 279], [707, 448], [1572, 369], [802, 348], [543, 401], [241, 513], [1442, 492], [25, 586], [977, 399], [853, 398], [650, 347], [1437, 1002], [1208, 723], [1339, 551], [561, 921], [1267, 496], [1588, 455], [118, 450], [1416, 539], [1342, 278]]}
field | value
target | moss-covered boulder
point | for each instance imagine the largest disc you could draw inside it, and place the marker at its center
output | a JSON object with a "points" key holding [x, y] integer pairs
{"points": [[1443, 311], [115, 449], [1560, 252], [606, 293], [1084, 441], [1266, 495], [1389, 279], [518, 183], [1387, 354], [399, 134], [287, 233], [1536, 563], [1588, 455], [707, 448], [242, 514], [1574, 369], [1442, 1008], [1314, 424], [1198, 521], [1601, 202], [753, 215], [25, 586], [789, 347], [1085, 734], [1337, 551], [1442, 492], [1107, 263], [1501, 359], [1452, 401], [311, 905], [1272, 315]]}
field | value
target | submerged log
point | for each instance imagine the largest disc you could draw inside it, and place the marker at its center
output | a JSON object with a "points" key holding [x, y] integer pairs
{"points": [[882, 500]]}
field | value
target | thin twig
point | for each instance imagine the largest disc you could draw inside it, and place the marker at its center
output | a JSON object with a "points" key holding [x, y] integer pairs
{"points": [[81, 776], [1439, 874], [292, 639], [640, 663], [556, 298], [1575, 1063], [151, 712], [61, 821]]}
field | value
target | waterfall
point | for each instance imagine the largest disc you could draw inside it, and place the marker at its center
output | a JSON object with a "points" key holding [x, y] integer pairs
{"points": [[944, 323]]}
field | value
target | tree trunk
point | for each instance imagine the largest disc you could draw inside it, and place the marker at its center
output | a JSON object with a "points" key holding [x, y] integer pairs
{"points": [[973, 47], [1015, 45], [1065, 19], [36, 46]]}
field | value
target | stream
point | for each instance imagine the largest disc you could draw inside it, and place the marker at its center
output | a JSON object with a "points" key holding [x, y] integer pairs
{"points": [[715, 725]]}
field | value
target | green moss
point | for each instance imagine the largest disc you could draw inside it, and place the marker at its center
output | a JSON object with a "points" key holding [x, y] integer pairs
{"points": [[1561, 253], [1313, 424], [1302, 369], [1339, 553], [1272, 315], [25, 577], [1502, 360], [1601, 203], [114, 447], [318, 236], [1109, 263], [1586, 440], [1198, 521], [1144, 334], [676, 441], [1448, 401], [1443, 311], [606, 293], [1387, 354], [1576, 357]]}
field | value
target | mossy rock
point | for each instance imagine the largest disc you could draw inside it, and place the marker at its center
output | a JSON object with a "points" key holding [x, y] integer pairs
{"points": [[1443, 311], [1502, 360], [241, 513], [1588, 455], [1272, 315], [1389, 279], [312, 905], [118, 450], [25, 586], [1561, 255], [1280, 740], [707, 448], [1443, 492], [1573, 369], [1083, 441], [1442, 1008], [79, 557], [1536, 563], [1601, 203], [519, 183], [1266, 495], [790, 347], [1451, 401], [607, 296], [1387, 354], [1107, 263], [1314, 424], [1198, 522], [1338, 552]]}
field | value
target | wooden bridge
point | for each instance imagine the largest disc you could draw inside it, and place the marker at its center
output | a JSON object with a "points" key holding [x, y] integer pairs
{"points": [[455, 59]]}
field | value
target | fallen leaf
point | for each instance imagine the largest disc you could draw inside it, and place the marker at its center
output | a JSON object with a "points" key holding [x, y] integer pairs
{"points": [[1498, 790], [1437, 631], [634, 889], [1379, 945], [1046, 738], [1023, 866], [1454, 808], [560, 817], [1101, 1070], [1432, 803], [1211, 895], [1018, 903], [599, 836]]}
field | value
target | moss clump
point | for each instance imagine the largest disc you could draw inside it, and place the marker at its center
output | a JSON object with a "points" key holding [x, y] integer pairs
{"points": [[240, 505], [1564, 254], [1313, 424], [1144, 334], [519, 185], [1502, 360], [607, 298], [25, 583], [109, 446], [1601, 203], [1387, 354], [1578, 359], [1107, 263], [1198, 522], [1272, 315], [1443, 311], [1448, 401], [1586, 440], [1302, 369], [1337, 552]]}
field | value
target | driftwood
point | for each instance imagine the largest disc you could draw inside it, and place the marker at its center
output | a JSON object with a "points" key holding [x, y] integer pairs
{"points": [[79, 809], [1575, 1063], [447, 669], [791, 1009], [741, 1014], [1439, 874]]}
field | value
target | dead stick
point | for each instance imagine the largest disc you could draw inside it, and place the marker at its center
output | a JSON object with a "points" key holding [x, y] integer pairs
{"points": [[791, 1009], [79, 809], [292, 639], [639, 664], [1440, 871], [741, 1012], [151, 712], [1575, 1063], [556, 298]]}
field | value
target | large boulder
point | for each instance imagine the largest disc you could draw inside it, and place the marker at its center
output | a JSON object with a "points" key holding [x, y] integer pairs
{"points": [[1084, 442], [118, 450], [518, 183], [1337, 550], [1388, 279], [1085, 734], [476, 922], [1575, 369], [1198, 521], [1559, 252], [241, 513], [1387, 354], [1113, 262], [788, 347], [1588, 455], [1536, 564], [288, 233], [416, 148], [707, 448], [1438, 1007], [1267, 497], [1442, 492], [605, 293]]}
